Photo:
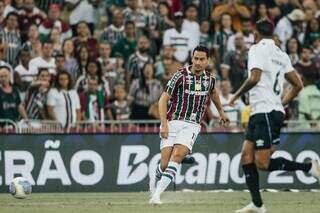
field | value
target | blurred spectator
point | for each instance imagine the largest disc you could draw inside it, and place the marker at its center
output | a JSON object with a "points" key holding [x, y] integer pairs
{"points": [[29, 15], [179, 39], [289, 25], [54, 22], [149, 12], [164, 16], [60, 63], [114, 32], [11, 37], [44, 5], [293, 48], [307, 68], [190, 24], [234, 65], [71, 64], [309, 107], [93, 70], [248, 37], [33, 43], [222, 36], [81, 11], [133, 13], [235, 10], [2, 59], [144, 93], [111, 67], [2, 16], [94, 103], [233, 112], [37, 94], [45, 60], [14, 6], [63, 102], [22, 75], [82, 57], [138, 59], [206, 36], [120, 108], [85, 39], [261, 12], [10, 102], [312, 32], [127, 45], [55, 37]]}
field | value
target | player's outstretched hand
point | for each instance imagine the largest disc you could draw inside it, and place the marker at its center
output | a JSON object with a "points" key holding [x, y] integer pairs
{"points": [[164, 130], [224, 120], [232, 102]]}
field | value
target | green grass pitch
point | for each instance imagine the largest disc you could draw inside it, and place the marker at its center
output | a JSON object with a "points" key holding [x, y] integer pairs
{"points": [[219, 202]]}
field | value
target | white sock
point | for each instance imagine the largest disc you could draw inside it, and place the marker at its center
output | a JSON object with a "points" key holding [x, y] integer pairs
{"points": [[158, 172], [167, 176]]}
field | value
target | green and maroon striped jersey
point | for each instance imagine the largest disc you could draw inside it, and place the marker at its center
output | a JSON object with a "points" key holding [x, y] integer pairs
{"points": [[190, 95]]}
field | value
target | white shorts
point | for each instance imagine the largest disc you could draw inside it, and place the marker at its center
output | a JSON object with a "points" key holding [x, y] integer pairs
{"points": [[181, 132]]}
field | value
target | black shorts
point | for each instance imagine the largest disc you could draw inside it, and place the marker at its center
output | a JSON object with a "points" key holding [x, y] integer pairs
{"points": [[264, 129]]}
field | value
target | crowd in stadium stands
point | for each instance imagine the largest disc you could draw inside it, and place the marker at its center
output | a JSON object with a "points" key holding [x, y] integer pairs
{"points": [[96, 60]]}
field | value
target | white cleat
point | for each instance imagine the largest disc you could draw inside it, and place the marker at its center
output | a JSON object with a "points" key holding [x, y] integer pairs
{"points": [[252, 208], [155, 200], [315, 169]]}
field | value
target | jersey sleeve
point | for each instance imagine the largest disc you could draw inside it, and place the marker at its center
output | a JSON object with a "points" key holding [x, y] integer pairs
{"points": [[174, 83], [255, 58]]}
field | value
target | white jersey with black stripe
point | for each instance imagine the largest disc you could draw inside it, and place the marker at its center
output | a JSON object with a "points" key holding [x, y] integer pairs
{"points": [[65, 105], [274, 63]]}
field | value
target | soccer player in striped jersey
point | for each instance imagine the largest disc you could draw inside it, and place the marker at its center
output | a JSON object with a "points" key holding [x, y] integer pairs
{"points": [[187, 95]]}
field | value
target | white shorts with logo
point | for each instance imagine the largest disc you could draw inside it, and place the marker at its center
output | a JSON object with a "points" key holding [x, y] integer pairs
{"points": [[181, 132]]}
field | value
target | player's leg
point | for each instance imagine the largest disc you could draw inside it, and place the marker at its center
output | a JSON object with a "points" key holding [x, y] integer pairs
{"points": [[249, 167], [280, 163], [165, 158], [183, 143], [178, 154]]}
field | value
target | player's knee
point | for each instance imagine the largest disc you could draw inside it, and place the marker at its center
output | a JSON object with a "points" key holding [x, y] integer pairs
{"points": [[177, 157], [163, 165], [246, 158], [262, 164]]}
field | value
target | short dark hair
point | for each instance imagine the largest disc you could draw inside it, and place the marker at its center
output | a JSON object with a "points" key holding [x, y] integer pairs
{"points": [[200, 48], [265, 27], [12, 13], [129, 23]]}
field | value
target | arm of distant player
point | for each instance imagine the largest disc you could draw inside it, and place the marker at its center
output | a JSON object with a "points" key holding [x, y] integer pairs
{"points": [[224, 120], [297, 85], [247, 85], [163, 103]]}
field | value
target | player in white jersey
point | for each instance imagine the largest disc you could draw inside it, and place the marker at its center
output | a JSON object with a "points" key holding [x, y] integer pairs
{"points": [[268, 66]]}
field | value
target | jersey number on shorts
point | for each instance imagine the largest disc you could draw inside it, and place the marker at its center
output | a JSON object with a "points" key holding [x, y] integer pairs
{"points": [[276, 86]]}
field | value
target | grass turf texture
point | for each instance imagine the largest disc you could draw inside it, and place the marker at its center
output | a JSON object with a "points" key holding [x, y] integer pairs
{"points": [[220, 202]]}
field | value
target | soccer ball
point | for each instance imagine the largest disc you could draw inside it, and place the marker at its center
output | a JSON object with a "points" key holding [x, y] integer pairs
{"points": [[20, 187]]}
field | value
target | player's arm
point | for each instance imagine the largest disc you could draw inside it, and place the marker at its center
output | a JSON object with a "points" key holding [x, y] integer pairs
{"points": [[163, 105], [224, 120], [248, 84], [297, 85]]}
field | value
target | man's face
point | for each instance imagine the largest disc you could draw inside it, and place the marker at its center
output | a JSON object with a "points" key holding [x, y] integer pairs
{"points": [[54, 14], [29, 5], [60, 62], [306, 54], [47, 50], [133, 4], [178, 22], [246, 27], [2, 7], [199, 60], [225, 87], [143, 45], [239, 42], [105, 50], [192, 13], [25, 57], [12, 22], [4, 76], [130, 30], [117, 19]]}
